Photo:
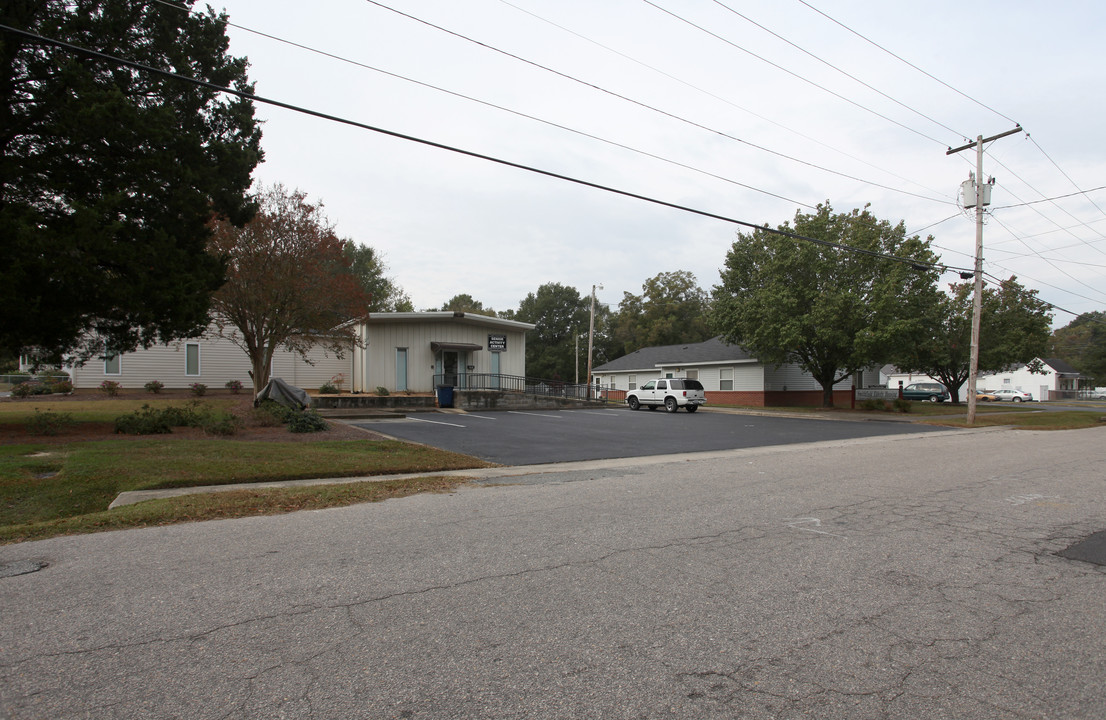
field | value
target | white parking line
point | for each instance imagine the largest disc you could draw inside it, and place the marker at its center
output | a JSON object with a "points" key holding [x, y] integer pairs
{"points": [[605, 413], [479, 417], [517, 412], [435, 422]]}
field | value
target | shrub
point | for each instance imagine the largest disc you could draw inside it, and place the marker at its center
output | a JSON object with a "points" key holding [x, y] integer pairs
{"points": [[381, 390], [872, 404], [191, 415], [271, 413], [198, 389], [62, 387], [224, 424], [903, 405], [110, 388], [338, 381], [328, 388], [146, 421], [150, 421], [154, 386], [27, 389], [235, 386], [306, 421], [49, 422]]}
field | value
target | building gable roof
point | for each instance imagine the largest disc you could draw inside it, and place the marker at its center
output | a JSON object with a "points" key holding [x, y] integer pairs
{"points": [[464, 318], [713, 351]]}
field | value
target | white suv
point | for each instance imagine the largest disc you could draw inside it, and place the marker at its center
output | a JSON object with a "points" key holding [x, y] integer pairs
{"points": [[672, 393]]}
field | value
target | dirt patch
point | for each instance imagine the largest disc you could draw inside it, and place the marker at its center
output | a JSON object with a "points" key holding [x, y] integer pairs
{"points": [[17, 433]]}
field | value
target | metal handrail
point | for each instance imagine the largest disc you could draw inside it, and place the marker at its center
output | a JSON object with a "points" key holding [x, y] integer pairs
{"points": [[528, 386]]}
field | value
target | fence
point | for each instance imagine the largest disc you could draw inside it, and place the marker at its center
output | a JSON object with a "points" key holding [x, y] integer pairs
{"points": [[529, 386], [7, 382]]}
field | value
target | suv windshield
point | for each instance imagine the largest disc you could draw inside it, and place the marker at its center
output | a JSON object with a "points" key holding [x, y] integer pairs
{"points": [[682, 384]]}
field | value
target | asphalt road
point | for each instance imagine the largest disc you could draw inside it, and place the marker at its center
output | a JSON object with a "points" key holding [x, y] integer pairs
{"points": [[529, 437], [910, 576]]}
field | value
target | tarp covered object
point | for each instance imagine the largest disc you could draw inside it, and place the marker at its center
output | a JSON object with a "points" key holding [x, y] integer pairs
{"points": [[288, 395]]}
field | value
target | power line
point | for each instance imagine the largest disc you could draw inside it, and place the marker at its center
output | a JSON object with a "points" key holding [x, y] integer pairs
{"points": [[1045, 217], [646, 106], [834, 67], [907, 62], [495, 106], [789, 72], [708, 93], [69, 47], [1050, 199], [1073, 184], [1050, 263]]}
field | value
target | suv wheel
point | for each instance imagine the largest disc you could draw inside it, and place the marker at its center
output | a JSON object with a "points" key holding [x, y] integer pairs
{"points": [[670, 404], [932, 398], [633, 403]]}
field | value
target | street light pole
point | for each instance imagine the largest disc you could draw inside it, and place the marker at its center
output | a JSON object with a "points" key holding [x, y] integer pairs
{"points": [[591, 333]]}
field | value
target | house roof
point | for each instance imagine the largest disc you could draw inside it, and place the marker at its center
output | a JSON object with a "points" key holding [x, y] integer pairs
{"points": [[446, 316], [1061, 366], [711, 351]]}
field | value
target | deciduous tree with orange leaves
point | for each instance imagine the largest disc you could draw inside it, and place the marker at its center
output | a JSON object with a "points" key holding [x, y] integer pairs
{"points": [[289, 283]]}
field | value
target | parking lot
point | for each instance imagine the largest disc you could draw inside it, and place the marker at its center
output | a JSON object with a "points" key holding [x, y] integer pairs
{"points": [[543, 436]]}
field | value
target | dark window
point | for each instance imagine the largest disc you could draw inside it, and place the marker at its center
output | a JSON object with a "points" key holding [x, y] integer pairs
{"points": [[683, 384]]}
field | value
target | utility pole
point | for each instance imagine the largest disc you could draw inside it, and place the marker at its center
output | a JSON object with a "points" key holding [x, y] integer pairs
{"points": [[576, 351], [591, 333], [981, 197]]}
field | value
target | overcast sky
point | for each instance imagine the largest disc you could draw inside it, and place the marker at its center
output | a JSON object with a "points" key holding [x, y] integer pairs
{"points": [[752, 116]]}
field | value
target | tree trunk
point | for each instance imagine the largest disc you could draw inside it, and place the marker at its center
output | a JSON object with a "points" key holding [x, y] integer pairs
{"points": [[827, 395], [260, 373]]}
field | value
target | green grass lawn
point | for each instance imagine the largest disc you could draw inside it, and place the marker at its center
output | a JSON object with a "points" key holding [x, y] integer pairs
{"points": [[52, 488], [46, 489]]}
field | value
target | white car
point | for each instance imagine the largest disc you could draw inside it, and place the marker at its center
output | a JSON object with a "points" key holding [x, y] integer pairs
{"points": [[1013, 395], [669, 393]]}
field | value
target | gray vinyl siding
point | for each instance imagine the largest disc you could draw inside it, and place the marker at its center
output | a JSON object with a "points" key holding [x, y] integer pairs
{"points": [[382, 341], [220, 361], [790, 377]]}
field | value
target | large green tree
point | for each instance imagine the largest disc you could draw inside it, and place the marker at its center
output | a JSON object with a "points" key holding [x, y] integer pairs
{"points": [[109, 175], [384, 294], [833, 310], [1013, 328], [560, 315], [289, 283], [671, 309], [467, 303], [1082, 343]]}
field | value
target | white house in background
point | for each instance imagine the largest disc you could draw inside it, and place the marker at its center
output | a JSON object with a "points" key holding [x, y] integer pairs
{"points": [[416, 351], [400, 352], [1058, 380], [728, 373]]}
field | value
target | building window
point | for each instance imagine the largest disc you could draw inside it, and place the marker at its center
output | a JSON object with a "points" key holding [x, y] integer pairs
{"points": [[113, 365], [633, 383], [725, 379], [692, 374], [192, 359], [401, 369]]}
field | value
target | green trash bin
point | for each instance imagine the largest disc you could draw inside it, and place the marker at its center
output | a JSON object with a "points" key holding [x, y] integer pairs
{"points": [[445, 396]]}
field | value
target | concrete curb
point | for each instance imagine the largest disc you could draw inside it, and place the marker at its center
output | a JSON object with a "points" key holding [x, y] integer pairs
{"points": [[136, 496]]}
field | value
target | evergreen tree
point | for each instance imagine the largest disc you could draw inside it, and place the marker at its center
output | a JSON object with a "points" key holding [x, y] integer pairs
{"points": [[109, 175]]}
